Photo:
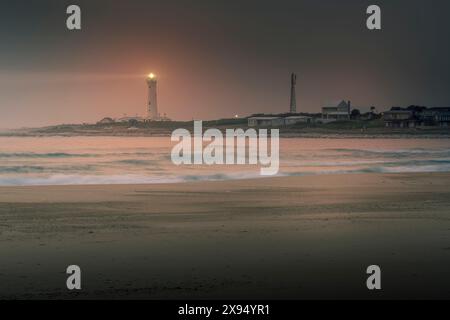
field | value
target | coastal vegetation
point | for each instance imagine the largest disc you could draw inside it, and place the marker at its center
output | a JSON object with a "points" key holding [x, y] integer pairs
{"points": [[344, 128]]}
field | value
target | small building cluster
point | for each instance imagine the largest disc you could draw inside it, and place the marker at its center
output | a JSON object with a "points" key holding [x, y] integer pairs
{"points": [[333, 112], [277, 121], [130, 120], [415, 116]]}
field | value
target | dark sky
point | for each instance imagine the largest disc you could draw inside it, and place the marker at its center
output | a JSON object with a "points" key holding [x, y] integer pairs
{"points": [[217, 58]]}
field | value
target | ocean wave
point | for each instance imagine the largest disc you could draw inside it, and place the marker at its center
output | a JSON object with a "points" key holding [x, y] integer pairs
{"points": [[377, 169], [137, 162], [42, 169], [359, 163], [63, 179], [83, 179], [82, 155], [44, 155], [22, 169], [392, 153], [222, 176], [412, 169]]}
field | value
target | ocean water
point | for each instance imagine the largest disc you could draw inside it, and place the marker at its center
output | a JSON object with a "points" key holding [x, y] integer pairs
{"points": [[136, 160]]}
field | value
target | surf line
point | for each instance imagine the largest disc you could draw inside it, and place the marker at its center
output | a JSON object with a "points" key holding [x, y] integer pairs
{"points": [[229, 150]]}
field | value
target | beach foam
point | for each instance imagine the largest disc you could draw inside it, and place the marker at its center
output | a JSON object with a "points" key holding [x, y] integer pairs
{"points": [[84, 160]]}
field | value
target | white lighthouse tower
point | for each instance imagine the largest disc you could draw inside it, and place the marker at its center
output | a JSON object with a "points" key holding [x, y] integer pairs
{"points": [[152, 107]]}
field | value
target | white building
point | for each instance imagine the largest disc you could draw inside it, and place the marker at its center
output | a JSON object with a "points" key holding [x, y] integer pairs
{"points": [[297, 119], [106, 120], [130, 119], [265, 121], [152, 107], [339, 111]]}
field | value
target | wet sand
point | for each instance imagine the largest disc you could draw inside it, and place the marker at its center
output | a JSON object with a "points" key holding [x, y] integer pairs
{"points": [[277, 238]]}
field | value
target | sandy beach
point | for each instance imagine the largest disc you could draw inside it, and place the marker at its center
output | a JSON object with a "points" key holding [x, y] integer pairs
{"points": [[278, 238]]}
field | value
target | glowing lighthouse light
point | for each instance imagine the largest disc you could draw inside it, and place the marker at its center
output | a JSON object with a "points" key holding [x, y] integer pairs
{"points": [[152, 105]]}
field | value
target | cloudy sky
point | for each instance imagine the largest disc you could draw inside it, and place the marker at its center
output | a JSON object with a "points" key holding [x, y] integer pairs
{"points": [[217, 58]]}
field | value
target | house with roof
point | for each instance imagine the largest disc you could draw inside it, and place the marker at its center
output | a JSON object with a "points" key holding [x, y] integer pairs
{"points": [[416, 116], [339, 111]]}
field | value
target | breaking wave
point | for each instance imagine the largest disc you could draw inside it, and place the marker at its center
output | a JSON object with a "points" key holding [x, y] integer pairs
{"points": [[61, 179], [131, 161], [378, 169], [44, 155], [41, 169], [392, 153]]}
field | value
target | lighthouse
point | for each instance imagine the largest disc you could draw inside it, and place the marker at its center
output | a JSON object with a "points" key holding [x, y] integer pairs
{"points": [[152, 107]]}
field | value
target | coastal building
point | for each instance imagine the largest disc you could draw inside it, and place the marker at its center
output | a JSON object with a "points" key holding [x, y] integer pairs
{"points": [[106, 120], [436, 117], [265, 121], [130, 119], [272, 121], [415, 116], [297, 119], [410, 117], [164, 117], [340, 111], [443, 118], [152, 103], [400, 118]]}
